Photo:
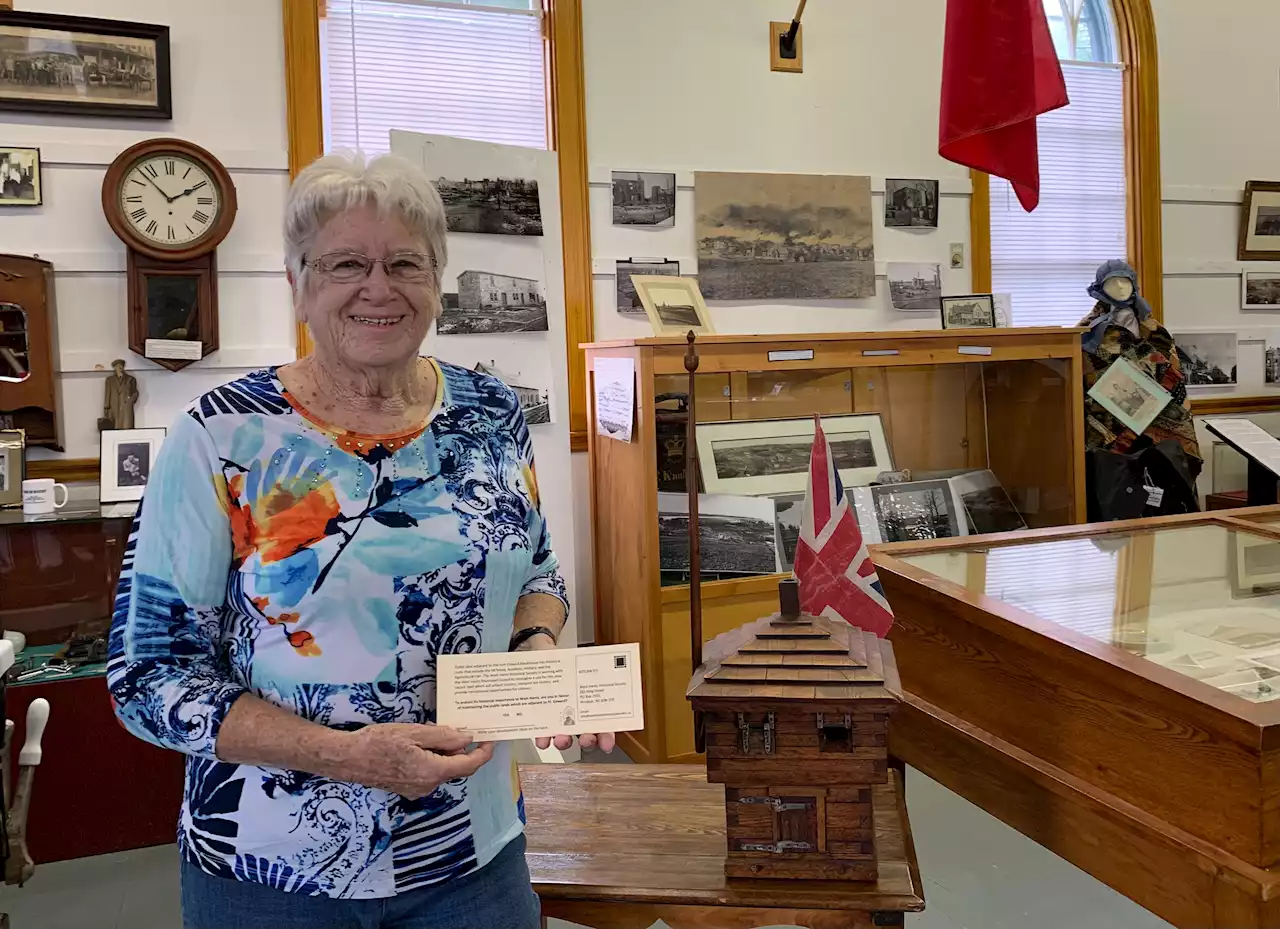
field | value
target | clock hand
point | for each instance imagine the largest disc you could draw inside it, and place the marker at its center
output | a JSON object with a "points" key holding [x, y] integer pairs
{"points": [[167, 198]]}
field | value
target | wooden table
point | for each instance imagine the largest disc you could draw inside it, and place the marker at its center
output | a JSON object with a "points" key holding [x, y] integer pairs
{"points": [[622, 846]]}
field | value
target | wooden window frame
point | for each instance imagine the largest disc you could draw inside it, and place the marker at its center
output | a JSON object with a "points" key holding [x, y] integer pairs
{"points": [[567, 131], [1136, 46]]}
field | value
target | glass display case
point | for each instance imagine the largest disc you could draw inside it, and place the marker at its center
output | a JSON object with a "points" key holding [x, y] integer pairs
{"points": [[934, 403], [1122, 678]]}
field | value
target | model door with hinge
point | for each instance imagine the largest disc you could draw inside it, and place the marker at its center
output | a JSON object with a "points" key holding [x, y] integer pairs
{"points": [[777, 825]]}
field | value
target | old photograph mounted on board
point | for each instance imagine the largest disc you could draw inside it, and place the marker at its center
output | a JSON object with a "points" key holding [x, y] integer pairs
{"points": [[915, 286], [491, 205], [535, 402], [1208, 358], [971, 311], [771, 456], [917, 511], [1260, 222], [790, 517], [644, 198], [92, 67], [987, 506], [1130, 395], [784, 236], [911, 202], [674, 304], [1260, 290], [20, 177], [629, 302], [127, 456], [487, 302], [737, 534]]}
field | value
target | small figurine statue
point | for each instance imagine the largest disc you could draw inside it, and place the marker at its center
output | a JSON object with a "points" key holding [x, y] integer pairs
{"points": [[119, 398]]}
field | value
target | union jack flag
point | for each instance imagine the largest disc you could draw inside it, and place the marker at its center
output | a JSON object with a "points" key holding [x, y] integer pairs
{"points": [[832, 565]]}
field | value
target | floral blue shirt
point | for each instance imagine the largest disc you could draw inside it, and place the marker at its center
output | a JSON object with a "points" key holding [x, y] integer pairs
{"points": [[325, 571]]}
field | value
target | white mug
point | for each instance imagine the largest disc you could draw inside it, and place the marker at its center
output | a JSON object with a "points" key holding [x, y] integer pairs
{"points": [[39, 496]]}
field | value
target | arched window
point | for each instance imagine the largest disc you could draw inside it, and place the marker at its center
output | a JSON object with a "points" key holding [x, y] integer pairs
{"points": [[1089, 209]]}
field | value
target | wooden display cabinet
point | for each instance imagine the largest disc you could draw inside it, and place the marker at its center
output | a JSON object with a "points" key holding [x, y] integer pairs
{"points": [[1005, 399], [1113, 692], [30, 390]]}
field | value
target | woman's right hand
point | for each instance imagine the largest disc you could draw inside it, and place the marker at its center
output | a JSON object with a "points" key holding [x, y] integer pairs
{"points": [[409, 759]]}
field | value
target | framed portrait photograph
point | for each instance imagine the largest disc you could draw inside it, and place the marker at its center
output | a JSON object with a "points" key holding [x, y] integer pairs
{"points": [[20, 177], [918, 510], [127, 458], [13, 448], [51, 63], [972, 311], [1130, 395], [674, 305], [771, 456], [1260, 290]]}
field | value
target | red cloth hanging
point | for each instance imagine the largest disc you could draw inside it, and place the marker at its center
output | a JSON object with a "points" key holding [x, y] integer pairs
{"points": [[999, 72]]}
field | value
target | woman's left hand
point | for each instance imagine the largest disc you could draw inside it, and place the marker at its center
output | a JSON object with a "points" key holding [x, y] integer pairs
{"points": [[601, 740]]}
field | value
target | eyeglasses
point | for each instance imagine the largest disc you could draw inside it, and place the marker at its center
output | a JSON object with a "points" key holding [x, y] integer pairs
{"points": [[349, 267]]}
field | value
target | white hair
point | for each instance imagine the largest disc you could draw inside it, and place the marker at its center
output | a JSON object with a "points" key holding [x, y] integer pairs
{"points": [[389, 183]]}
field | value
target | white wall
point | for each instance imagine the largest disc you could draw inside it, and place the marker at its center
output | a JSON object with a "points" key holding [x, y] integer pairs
{"points": [[1219, 127], [228, 96], [681, 86]]}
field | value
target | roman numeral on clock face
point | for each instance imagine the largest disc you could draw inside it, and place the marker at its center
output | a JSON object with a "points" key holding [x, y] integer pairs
{"points": [[170, 167], [139, 214], [200, 217], [170, 233], [204, 201], [152, 227], [151, 169], [134, 199]]}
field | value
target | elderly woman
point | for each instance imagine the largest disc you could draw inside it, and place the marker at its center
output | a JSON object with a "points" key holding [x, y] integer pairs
{"points": [[312, 538]]}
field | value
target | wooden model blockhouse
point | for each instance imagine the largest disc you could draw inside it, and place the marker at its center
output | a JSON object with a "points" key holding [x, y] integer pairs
{"points": [[794, 711]]}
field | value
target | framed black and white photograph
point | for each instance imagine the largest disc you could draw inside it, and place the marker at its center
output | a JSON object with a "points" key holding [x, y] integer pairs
{"points": [[674, 305], [915, 286], [488, 302], [771, 456], [790, 517], [911, 202], [491, 205], [737, 535], [972, 311], [629, 302], [1271, 364], [535, 402], [1260, 222], [644, 198], [987, 507], [13, 448], [51, 63], [1208, 358], [20, 182], [1260, 290], [917, 511], [127, 458]]}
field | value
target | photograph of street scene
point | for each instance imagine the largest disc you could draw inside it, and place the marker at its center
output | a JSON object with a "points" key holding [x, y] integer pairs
{"points": [[494, 206], [642, 198], [488, 302]]}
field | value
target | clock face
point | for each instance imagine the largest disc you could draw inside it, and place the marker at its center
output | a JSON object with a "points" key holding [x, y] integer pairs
{"points": [[169, 200]]}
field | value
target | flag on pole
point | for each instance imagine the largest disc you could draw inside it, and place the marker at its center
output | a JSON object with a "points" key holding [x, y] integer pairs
{"points": [[836, 576], [999, 72]]}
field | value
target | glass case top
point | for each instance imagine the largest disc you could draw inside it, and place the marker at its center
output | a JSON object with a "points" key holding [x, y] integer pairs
{"points": [[1201, 600]]}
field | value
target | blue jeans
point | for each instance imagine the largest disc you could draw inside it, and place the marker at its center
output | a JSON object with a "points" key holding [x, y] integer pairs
{"points": [[498, 896]]}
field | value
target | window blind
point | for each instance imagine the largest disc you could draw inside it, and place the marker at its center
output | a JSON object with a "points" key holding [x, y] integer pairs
{"points": [[1071, 582], [1046, 259], [444, 68]]}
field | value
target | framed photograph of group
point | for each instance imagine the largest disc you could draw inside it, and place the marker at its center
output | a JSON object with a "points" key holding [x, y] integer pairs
{"points": [[51, 63], [127, 458], [771, 456]]}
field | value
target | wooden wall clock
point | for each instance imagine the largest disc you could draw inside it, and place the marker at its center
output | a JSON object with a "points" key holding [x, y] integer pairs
{"points": [[171, 202]]}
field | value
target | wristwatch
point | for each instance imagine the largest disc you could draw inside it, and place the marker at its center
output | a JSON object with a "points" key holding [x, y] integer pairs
{"points": [[524, 635]]}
